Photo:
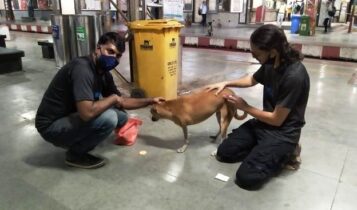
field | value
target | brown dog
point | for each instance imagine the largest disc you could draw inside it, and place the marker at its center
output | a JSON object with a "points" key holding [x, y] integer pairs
{"points": [[196, 107]]}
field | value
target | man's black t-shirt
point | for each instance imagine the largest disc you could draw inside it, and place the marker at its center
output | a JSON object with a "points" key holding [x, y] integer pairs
{"points": [[287, 86], [76, 81]]}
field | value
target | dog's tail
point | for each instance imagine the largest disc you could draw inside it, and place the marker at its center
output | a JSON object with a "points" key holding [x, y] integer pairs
{"points": [[240, 117]]}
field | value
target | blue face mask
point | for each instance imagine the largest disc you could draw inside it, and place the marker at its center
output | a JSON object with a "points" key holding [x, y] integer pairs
{"points": [[107, 63]]}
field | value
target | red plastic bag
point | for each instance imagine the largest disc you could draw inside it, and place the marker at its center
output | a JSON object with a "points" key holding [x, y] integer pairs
{"points": [[127, 134]]}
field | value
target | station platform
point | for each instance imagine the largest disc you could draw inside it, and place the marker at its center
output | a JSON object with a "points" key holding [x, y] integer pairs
{"points": [[336, 44], [35, 176]]}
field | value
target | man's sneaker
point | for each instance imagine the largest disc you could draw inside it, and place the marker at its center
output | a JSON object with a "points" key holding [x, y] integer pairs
{"points": [[86, 161]]}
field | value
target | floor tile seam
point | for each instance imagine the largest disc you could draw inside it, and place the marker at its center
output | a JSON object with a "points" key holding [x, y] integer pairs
{"points": [[215, 37], [344, 164], [23, 123], [320, 174], [350, 63], [38, 28], [26, 24], [324, 44], [291, 40], [45, 23], [339, 180], [337, 63], [315, 60], [321, 57]]}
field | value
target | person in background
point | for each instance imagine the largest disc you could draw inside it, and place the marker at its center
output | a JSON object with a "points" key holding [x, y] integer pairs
{"points": [[155, 10], [281, 13], [289, 8], [327, 14], [82, 106], [270, 140], [296, 8], [302, 9], [204, 9]]}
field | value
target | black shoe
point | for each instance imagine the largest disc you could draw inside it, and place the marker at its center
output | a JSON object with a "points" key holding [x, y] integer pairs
{"points": [[86, 161]]}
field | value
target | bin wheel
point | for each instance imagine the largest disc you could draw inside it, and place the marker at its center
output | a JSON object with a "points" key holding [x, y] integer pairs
{"points": [[137, 93]]}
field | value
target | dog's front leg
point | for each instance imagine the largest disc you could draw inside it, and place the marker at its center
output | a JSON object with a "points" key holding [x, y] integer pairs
{"points": [[186, 141]]}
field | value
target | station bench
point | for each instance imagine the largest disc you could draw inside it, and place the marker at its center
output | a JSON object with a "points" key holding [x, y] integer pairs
{"points": [[10, 60], [47, 48]]}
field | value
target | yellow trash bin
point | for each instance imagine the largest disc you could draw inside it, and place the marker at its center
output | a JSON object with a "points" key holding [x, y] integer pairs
{"points": [[156, 56]]}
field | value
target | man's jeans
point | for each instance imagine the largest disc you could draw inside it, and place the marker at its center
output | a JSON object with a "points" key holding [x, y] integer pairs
{"points": [[80, 137]]}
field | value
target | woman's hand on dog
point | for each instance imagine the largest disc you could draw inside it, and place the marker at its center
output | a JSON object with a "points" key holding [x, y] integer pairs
{"points": [[219, 86], [239, 102]]}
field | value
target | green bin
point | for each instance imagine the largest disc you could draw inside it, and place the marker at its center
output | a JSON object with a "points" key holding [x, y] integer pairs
{"points": [[305, 26]]}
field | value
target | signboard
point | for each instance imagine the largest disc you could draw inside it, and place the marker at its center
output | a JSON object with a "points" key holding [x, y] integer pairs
{"points": [[81, 33], [236, 6], [23, 5], [212, 6], [55, 31], [188, 5], [2, 5], [243, 14], [354, 18], [91, 5], [173, 9], [343, 12], [42, 4]]}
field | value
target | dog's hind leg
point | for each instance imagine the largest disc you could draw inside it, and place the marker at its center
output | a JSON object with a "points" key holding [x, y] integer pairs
{"points": [[186, 141], [226, 118], [218, 116]]}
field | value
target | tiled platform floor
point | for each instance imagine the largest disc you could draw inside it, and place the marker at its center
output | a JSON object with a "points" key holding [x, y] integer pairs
{"points": [[34, 176]]}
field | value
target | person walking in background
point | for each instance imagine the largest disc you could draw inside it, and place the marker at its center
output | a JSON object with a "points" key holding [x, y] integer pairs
{"points": [[328, 13], [289, 8], [281, 13], [302, 9], [155, 10], [203, 8], [296, 8]]}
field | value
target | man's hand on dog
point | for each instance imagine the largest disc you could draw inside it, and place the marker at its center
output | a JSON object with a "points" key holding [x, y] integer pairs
{"points": [[219, 86], [130, 103], [239, 102], [158, 100]]}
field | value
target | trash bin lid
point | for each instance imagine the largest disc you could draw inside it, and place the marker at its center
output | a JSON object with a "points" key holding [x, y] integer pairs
{"points": [[155, 24], [295, 16]]}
